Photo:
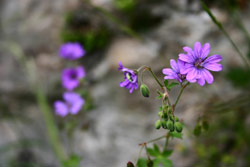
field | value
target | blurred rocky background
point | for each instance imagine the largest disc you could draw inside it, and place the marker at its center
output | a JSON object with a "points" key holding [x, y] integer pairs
{"points": [[139, 32]]}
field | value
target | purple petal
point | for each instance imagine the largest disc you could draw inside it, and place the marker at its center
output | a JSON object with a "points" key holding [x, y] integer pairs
{"points": [[213, 66], [205, 50], [201, 81], [186, 58], [213, 59], [174, 65], [192, 74], [197, 49], [80, 72], [61, 108], [168, 71], [120, 66], [70, 84], [207, 76], [187, 68], [124, 83], [188, 50], [71, 97], [77, 106]]}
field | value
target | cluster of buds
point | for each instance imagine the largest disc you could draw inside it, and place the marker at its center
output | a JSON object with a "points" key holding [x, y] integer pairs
{"points": [[168, 120]]}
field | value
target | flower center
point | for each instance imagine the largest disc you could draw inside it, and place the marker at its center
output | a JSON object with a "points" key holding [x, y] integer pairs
{"points": [[182, 76], [73, 75], [198, 63], [128, 75]]}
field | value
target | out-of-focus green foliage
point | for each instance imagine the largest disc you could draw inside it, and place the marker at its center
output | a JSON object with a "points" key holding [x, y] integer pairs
{"points": [[240, 77]]}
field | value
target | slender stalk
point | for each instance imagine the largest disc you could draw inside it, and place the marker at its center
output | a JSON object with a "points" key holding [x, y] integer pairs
{"points": [[166, 142], [50, 125], [156, 139], [150, 70], [220, 26], [139, 154], [181, 91], [30, 70]]}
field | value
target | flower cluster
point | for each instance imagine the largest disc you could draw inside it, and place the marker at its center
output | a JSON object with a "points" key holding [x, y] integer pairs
{"points": [[194, 65], [71, 78]]}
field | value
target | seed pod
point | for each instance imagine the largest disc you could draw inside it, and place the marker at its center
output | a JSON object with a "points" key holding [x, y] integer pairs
{"points": [[164, 124], [178, 127], [170, 125], [158, 124], [165, 116], [144, 90]]}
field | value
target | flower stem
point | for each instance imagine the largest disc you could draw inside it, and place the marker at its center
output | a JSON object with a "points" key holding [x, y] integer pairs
{"points": [[153, 74], [177, 100], [220, 26]]}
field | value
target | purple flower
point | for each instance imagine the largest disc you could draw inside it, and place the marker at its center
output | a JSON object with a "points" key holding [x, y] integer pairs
{"points": [[174, 73], [71, 51], [198, 64], [71, 77], [72, 104], [131, 80]]}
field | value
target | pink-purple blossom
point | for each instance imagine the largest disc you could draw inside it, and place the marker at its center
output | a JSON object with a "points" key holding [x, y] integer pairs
{"points": [[131, 79], [71, 77], [72, 104], [174, 73], [198, 63], [71, 51]]}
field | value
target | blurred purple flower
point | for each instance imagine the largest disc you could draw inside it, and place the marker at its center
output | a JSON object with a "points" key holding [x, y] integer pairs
{"points": [[131, 80], [72, 104], [71, 51], [71, 77], [197, 63], [174, 73]]}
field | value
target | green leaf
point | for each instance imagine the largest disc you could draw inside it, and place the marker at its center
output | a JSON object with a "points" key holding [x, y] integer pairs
{"points": [[167, 153], [176, 135], [142, 162], [162, 162], [152, 152], [171, 85], [166, 83], [156, 148]]}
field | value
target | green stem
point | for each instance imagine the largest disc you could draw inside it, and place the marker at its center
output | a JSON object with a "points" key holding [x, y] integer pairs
{"points": [[50, 125], [166, 142], [178, 98], [150, 70], [156, 139], [114, 19], [220, 26]]}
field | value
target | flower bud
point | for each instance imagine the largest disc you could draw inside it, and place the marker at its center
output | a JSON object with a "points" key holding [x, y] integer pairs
{"points": [[178, 127], [144, 90], [160, 114], [130, 164], [170, 125], [172, 117], [164, 124], [176, 119], [158, 124]]}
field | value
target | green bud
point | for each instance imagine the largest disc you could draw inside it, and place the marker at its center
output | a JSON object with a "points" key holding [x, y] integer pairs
{"points": [[160, 114], [178, 127], [169, 110], [165, 115], [170, 125], [172, 118], [164, 124], [158, 124], [165, 108], [176, 119], [130, 164], [144, 90]]}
